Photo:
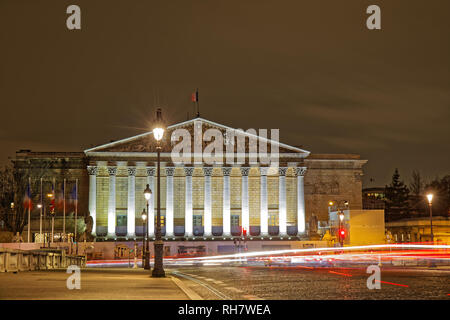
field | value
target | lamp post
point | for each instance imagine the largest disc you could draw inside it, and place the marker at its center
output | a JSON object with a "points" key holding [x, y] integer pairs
{"points": [[40, 221], [144, 249], [341, 219], [147, 195], [430, 201], [158, 132], [340, 205]]}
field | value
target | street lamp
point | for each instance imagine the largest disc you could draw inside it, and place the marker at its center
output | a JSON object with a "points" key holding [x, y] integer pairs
{"points": [[340, 206], [144, 248], [430, 201], [158, 132], [147, 195]]}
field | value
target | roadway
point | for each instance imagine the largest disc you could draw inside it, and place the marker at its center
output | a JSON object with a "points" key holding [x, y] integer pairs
{"points": [[289, 283]]}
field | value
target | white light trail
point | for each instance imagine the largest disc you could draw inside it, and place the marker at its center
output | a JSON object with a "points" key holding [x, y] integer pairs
{"points": [[278, 252]]}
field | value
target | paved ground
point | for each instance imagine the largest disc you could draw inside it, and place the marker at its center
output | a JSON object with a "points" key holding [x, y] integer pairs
{"points": [[95, 284], [217, 282], [255, 283]]}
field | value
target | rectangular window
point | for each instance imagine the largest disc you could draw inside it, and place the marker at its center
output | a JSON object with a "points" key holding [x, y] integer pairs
{"points": [[121, 220], [272, 220], [235, 220], [163, 220], [197, 221]]}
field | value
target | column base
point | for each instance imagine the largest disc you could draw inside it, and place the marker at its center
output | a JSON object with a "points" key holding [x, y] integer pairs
{"points": [[158, 269], [264, 234], [189, 235], [111, 235], [228, 234], [169, 235], [131, 235]]}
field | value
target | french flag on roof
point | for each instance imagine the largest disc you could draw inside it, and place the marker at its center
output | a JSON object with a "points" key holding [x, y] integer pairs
{"points": [[195, 96]]}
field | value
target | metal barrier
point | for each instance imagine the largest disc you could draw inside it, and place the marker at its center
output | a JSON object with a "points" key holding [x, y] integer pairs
{"points": [[12, 260]]}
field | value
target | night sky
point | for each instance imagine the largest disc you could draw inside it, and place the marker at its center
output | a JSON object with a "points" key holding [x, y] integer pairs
{"points": [[310, 68]]}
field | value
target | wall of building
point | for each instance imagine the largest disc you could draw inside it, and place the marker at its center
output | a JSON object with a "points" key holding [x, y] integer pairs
{"points": [[366, 227]]}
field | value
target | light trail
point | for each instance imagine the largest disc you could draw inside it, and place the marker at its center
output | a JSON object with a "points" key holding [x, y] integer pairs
{"points": [[326, 249], [394, 284], [340, 273]]}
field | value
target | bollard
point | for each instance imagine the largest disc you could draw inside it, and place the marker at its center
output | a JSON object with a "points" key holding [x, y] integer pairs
{"points": [[23, 261], [2, 260], [12, 263], [42, 261], [48, 260], [34, 262]]}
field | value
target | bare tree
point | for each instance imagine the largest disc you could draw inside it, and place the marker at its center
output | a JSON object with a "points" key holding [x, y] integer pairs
{"points": [[13, 186], [417, 184]]}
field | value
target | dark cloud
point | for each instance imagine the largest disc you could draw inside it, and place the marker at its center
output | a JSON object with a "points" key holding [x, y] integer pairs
{"points": [[311, 69]]}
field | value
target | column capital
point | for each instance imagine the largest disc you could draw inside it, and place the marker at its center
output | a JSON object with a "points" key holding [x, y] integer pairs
{"points": [[300, 171], [92, 170], [112, 171], [150, 171], [226, 171], [131, 171], [170, 171], [245, 171], [282, 171], [263, 171], [188, 171], [207, 171]]}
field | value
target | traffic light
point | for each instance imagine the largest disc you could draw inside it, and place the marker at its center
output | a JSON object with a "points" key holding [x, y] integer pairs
{"points": [[244, 232], [342, 233]]}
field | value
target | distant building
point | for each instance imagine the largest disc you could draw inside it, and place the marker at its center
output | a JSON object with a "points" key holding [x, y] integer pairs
{"points": [[373, 198], [418, 229]]}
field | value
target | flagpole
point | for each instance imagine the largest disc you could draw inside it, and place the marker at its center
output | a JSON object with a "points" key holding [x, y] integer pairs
{"points": [[29, 205], [198, 106], [53, 209], [64, 210], [76, 215], [40, 217]]}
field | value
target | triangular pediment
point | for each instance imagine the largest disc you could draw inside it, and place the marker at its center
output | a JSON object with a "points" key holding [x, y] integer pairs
{"points": [[145, 143]]}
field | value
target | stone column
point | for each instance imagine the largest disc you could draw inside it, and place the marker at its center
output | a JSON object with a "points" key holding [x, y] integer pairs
{"points": [[207, 205], [131, 212], [188, 211], [112, 202], [151, 206], [264, 217], [92, 171], [226, 214], [300, 172], [245, 208], [282, 218], [169, 202]]}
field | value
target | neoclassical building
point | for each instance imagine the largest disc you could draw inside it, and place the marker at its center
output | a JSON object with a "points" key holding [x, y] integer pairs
{"points": [[206, 200]]}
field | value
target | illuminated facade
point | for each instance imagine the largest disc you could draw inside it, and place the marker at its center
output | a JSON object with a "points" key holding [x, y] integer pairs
{"points": [[203, 201], [218, 200]]}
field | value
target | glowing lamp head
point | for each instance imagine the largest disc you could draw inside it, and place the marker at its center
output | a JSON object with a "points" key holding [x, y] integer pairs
{"points": [[144, 215], [49, 195], [341, 216], [330, 203], [430, 198], [158, 129], [39, 205], [147, 192]]}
